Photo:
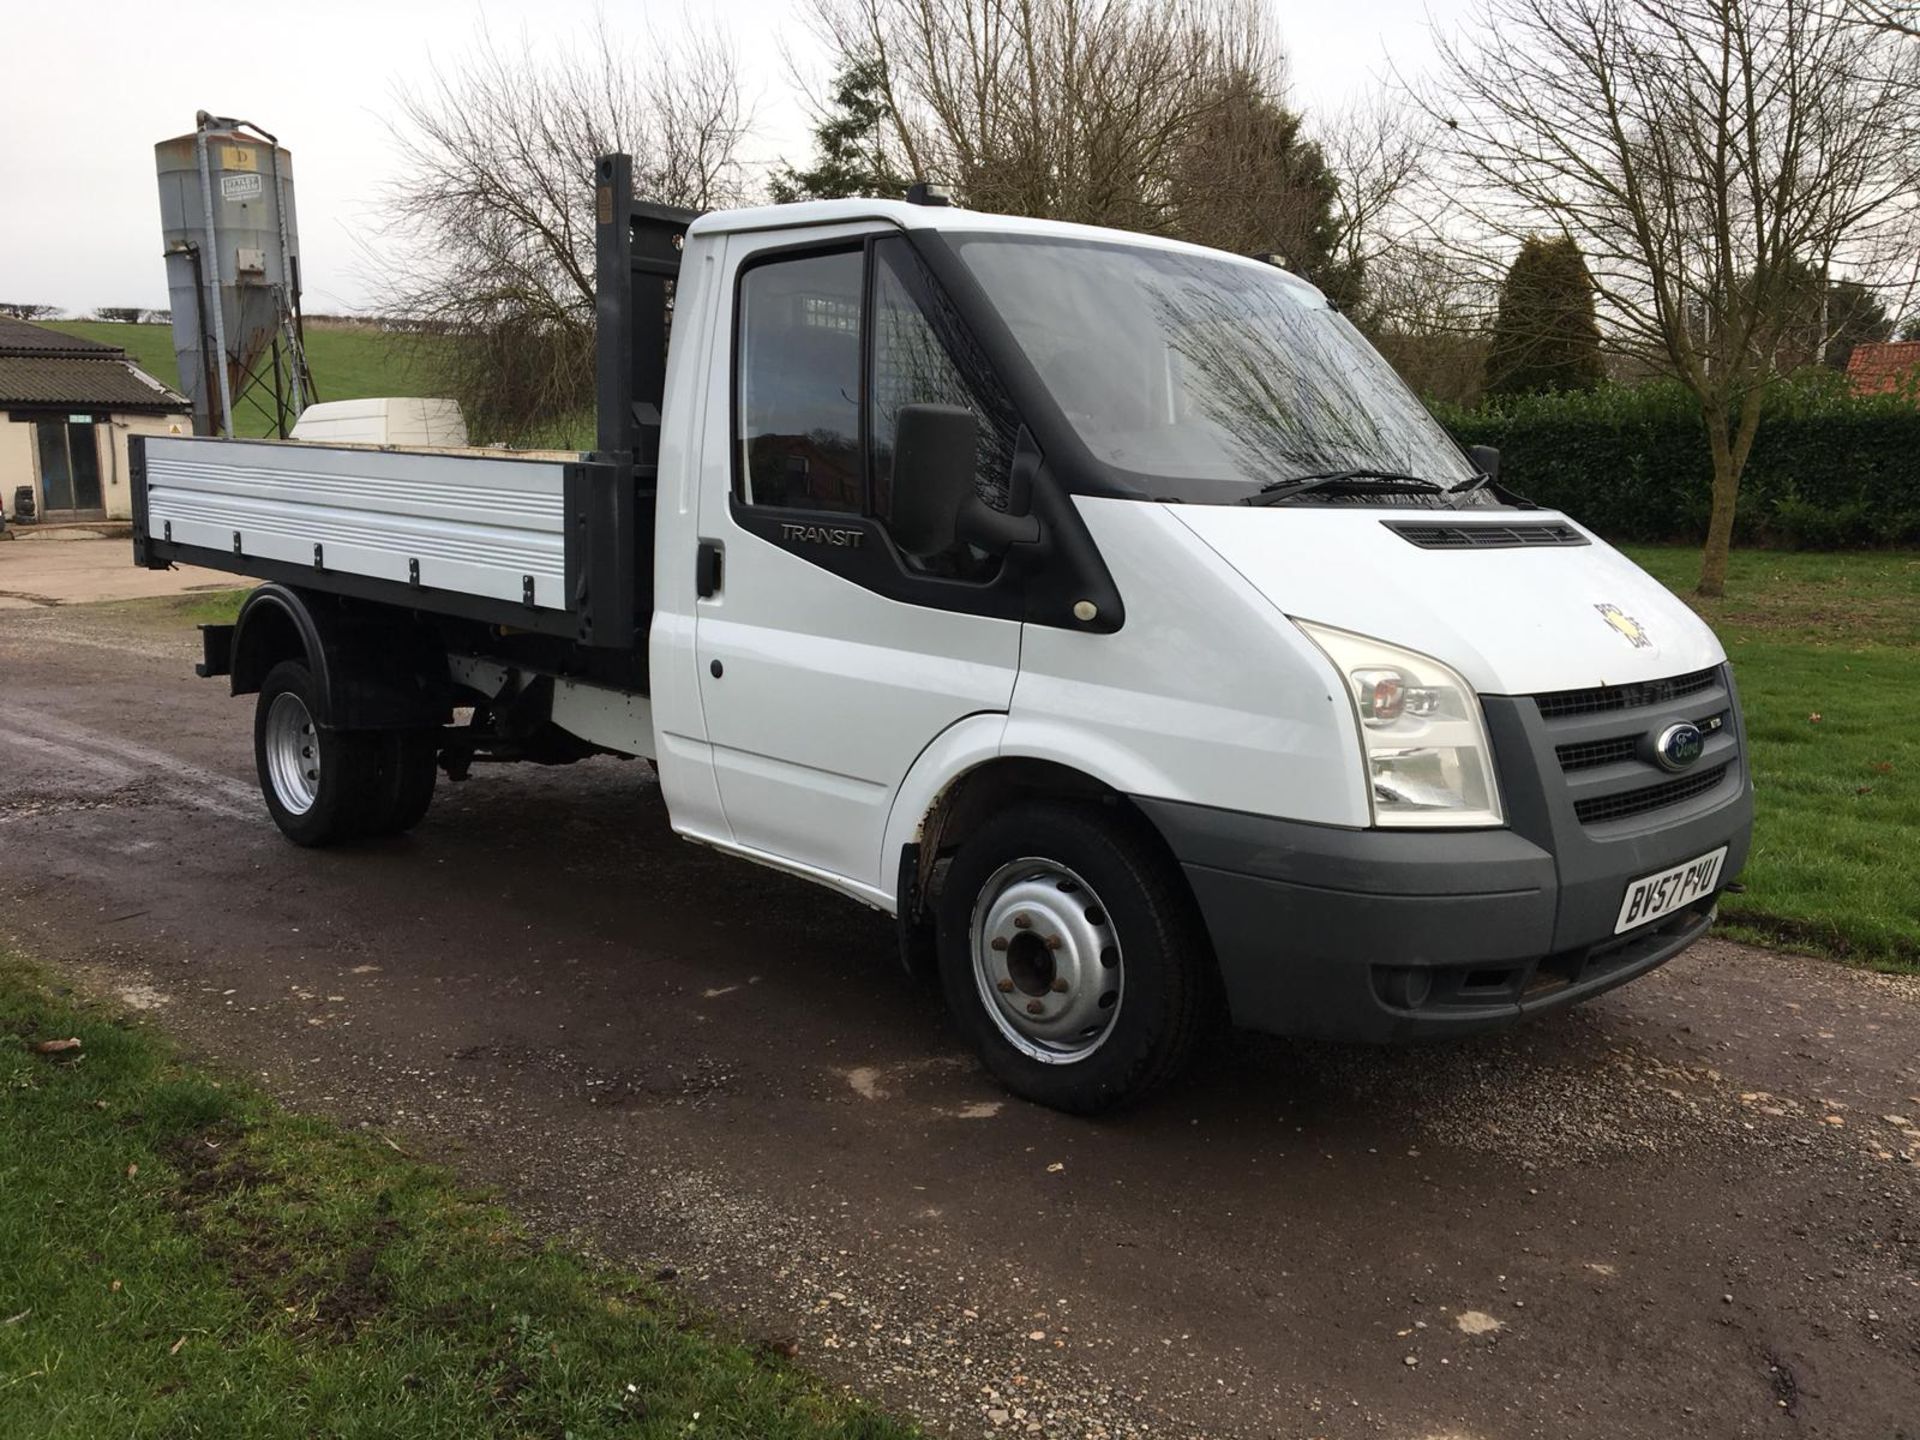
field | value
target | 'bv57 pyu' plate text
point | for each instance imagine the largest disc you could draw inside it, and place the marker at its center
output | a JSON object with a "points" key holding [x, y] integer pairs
{"points": [[1652, 896]]}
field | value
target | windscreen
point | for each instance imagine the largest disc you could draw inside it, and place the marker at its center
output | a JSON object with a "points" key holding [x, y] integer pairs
{"points": [[1201, 379]]}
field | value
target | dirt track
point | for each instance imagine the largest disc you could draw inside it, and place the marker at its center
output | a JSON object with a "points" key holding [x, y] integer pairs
{"points": [[1687, 1209]]}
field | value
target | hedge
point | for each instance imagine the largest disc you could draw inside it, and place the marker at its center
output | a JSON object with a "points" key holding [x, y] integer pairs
{"points": [[1828, 470]]}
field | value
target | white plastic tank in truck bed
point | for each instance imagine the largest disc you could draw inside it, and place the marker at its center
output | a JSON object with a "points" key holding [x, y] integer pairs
{"points": [[394, 420]]}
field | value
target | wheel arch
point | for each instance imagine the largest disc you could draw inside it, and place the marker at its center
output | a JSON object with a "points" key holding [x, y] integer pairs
{"points": [[979, 766], [275, 624], [374, 667]]}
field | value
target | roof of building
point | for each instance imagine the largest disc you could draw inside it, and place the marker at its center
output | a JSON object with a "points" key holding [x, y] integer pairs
{"points": [[42, 367], [1884, 367], [18, 337], [65, 381]]}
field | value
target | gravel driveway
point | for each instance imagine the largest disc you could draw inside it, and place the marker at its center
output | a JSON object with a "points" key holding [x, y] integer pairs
{"points": [[1687, 1209]]}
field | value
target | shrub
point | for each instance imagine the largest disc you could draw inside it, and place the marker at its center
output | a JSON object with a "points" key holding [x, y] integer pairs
{"points": [[1829, 469]]}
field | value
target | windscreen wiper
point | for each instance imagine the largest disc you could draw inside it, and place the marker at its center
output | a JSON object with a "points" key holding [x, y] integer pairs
{"points": [[1475, 481], [1387, 482]]}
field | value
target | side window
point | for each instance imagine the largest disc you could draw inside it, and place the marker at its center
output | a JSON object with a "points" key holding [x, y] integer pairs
{"points": [[799, 379], [923, 355]]}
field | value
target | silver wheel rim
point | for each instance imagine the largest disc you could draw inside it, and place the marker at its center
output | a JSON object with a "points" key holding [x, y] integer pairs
{"points": [[293, 753], [1047, 961]]}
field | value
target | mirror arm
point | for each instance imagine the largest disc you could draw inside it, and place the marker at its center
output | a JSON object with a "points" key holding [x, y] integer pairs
{"points": [[1485, 459], [995, 531]]}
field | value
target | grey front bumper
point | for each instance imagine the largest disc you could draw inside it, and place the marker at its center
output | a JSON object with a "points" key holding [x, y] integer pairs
{"points": [[1389, 935]]}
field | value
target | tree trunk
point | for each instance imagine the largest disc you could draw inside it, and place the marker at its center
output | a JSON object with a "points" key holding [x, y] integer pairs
{"points": [[1726, 491], [1730, 452]]}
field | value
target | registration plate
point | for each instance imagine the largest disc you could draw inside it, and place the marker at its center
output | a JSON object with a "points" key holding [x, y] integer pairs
{"points": [[1652, 896]]}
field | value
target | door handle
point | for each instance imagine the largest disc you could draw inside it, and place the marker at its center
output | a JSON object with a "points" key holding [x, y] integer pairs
{"points": [[707, 568]]}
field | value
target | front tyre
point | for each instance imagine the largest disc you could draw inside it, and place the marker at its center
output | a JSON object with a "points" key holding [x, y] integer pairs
{"points": [[1073, 957], [317, 782]]}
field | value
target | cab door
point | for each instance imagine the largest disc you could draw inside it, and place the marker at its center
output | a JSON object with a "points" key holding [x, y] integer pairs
{"points": [[828, 658]]}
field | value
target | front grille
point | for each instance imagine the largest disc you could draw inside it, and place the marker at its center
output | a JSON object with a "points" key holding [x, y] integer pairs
{"points": [[1588, 754], [1648, 797], [1601, 742], [1562, 703], [1483, 537], [1591, 754]]}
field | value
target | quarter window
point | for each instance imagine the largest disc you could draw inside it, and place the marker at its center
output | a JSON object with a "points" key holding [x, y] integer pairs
{"points": [[919, 351]]}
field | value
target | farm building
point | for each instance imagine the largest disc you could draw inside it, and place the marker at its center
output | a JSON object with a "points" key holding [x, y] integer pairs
{"points": [[67, 406]]}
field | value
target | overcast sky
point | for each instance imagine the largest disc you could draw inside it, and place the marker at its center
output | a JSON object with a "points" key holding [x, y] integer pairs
{"points": [[90, 85]]}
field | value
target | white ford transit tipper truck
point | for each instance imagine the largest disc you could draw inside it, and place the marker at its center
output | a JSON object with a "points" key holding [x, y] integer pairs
{"points": [[1102, 607]]}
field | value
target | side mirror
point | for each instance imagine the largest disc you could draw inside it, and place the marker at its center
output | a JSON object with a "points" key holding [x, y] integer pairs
{"points": [[933, 465], [1486, 460]]}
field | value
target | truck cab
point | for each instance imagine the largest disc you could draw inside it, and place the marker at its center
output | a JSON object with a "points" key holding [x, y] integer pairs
{"points": [[1103, 607]]}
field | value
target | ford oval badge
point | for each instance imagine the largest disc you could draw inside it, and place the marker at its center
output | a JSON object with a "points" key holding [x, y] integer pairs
{"points": [[1679, 746]]}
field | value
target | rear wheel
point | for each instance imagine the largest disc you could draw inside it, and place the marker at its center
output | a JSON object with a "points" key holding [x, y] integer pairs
{"points": [[408, 768], [1073, 956], [316, 781]]}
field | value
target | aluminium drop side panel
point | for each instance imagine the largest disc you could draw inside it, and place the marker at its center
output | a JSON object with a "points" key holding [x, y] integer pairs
{"points": [[473, 525]]}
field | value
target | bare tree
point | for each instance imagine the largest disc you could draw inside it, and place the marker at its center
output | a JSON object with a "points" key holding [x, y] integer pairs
{"points": [[493, 214], [1074, 109], [21, 310], [1246, 176], [1902, 17], [1428, 294], [1429, 309], [1704, 154], [1377, 150]]}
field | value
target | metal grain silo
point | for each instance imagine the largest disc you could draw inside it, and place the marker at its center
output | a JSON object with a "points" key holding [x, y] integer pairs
{"points": [[233, 271]]}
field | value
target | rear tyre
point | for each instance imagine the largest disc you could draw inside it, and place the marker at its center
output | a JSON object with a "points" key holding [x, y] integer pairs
{"points": [[1073, 957], [409, 767], [317, 782]]}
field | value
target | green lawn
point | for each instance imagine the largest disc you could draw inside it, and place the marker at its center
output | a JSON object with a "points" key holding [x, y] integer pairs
{"points": [[178, 1257], [1826, 650], [349, 362], [171, 614]]}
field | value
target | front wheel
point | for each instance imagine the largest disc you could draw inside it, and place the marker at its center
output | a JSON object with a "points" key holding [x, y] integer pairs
{"points": [[1072, 955]]}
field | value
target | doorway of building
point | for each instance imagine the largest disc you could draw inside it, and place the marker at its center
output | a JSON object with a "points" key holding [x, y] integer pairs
{"points": [[69, 466]]}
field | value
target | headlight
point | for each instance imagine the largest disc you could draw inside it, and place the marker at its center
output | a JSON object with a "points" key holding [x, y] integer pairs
{"points": [[1427, 757]]}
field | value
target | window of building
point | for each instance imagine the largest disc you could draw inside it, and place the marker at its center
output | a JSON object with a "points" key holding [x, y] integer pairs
{"points": [[69, 463]]}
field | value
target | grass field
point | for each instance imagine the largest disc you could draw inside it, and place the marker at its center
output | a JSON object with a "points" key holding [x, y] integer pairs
{"points": [[1826, 650], [171, 614], [349, 362], [179, 1257]]}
